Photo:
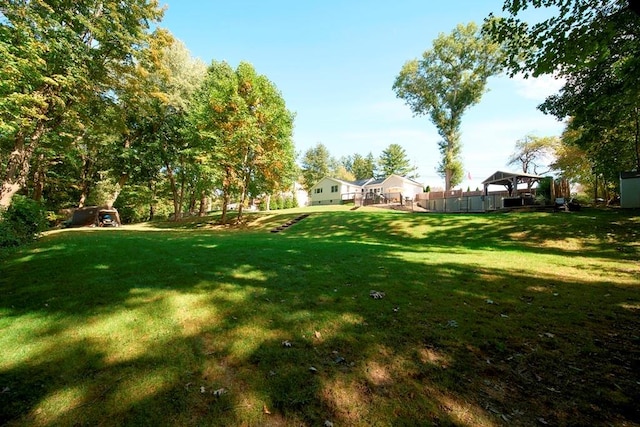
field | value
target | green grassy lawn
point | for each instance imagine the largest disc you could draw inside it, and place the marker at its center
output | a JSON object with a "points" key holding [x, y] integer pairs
{"points": [[497, 319]]}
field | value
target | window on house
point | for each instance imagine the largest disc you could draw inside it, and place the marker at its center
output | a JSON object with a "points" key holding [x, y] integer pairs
{"points": [[334, 188], [318, 190]]}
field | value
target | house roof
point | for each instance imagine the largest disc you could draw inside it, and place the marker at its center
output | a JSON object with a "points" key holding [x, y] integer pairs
{"points": [[332, 179], [506, 178], [363, 182], [367, 181]]}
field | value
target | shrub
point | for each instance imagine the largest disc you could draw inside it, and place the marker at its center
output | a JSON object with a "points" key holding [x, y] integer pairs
{"points": [[134, 202], [275, 203], [544, 190], [288, 203], [22, 221]]}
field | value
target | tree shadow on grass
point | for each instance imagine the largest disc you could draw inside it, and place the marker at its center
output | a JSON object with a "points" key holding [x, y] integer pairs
{"points": [[603, 234], [449, 344]]}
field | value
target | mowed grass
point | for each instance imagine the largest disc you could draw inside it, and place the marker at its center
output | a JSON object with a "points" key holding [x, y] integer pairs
{"points": [[496, 319]]}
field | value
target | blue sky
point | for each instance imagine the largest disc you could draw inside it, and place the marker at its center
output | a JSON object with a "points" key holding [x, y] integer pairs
{"points": [[335, 63]]}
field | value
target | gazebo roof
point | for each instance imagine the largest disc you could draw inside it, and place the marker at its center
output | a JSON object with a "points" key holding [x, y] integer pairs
{"points": [[506, 178]]}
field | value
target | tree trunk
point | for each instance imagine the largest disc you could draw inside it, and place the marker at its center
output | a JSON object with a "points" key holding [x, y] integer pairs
{"points": [[183, 179], [192, 202], [203, 202], [39, 178], [226, 189], [152, 207], [124, 177], [447, 178], [18, 164], [637, 137], [86, 173], [225, 203], [119, 186], [174, 191]]}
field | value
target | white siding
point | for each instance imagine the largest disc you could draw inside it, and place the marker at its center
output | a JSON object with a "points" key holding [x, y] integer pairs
{"points": [[409, 188], [328, 192]]}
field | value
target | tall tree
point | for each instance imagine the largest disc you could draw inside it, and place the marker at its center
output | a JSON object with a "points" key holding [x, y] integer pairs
{"points": [[571, 162], [446, 81], [533, 152], [595, 47], [244, 127], [394, 160], [56, 56], [153, 101], [365, 168], [361, 167], [316, 164]]}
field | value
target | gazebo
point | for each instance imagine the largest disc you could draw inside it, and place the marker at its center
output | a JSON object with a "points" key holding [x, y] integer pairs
{"points": [[510, 180]]}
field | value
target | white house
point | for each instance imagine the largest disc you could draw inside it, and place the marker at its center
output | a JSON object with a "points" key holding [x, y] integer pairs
{"points": [[332, 191]]}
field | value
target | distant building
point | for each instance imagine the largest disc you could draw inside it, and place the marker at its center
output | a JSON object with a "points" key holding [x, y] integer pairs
{"points": [[394, 188]]}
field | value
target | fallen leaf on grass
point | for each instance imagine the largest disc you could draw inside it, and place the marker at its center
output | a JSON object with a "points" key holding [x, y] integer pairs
{"points": [[376, 294], [452, 324]]}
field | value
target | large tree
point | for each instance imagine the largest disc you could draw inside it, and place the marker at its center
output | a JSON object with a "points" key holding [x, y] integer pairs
{"points": [[56, 56], [394, 160], [153, 102], [533, 152], [244, 127], [595, 47], [316, 164], [444, 83], [570, 161], [363, 167]]}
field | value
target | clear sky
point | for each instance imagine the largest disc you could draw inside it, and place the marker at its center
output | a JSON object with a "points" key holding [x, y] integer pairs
{"points": [[335, 62]]}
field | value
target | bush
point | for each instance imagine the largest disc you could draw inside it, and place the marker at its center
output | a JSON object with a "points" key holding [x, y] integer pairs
{"points": [[544, 190], [22, 221], [274, 205], [288, 203], [134, 201]]}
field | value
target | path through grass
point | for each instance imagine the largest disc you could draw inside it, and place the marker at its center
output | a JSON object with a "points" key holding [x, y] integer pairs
{"points": [[516, 319]]}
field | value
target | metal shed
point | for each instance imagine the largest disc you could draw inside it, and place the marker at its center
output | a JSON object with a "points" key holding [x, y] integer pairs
{"points": [[630, 189]]}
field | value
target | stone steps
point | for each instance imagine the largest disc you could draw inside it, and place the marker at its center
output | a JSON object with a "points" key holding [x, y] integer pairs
{"points": [[289, 223]]}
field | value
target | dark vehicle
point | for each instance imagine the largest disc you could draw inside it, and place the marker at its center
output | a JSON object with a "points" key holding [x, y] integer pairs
{"points": [[107, 218]]}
